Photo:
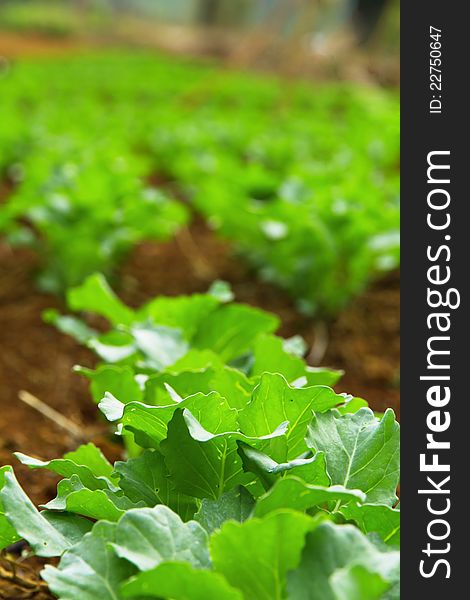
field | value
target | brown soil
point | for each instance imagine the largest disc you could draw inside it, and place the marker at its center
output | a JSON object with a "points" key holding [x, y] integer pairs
{"points": [[14, 45], [20, 579]]}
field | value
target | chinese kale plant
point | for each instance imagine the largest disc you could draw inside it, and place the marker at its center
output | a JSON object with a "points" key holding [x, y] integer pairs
{"points": [[251, 479]]}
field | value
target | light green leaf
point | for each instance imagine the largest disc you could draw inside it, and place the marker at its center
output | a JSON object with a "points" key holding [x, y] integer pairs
{"points": [[90, 569], [274, 355], [355, 582], [230, 330], [8, 533], [150, 423], [88, 462], [185, 383], [233, 385], [378, 518], [115, 346], [180, 581], [74, 497], [292, 492], [256, 555], [196, 360], [147, 537], [95, 296], [161, 346], [221, 290], [361, 451], [235, 505], [69, 325], [329, 561], [146, 479], [118, 380], [322, 376], [183, 312], [352, 405], [43, 536], [275, 401]]}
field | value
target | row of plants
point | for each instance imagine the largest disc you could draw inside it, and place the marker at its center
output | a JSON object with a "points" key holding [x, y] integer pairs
{"points": [[301, 178], [247, 476]]}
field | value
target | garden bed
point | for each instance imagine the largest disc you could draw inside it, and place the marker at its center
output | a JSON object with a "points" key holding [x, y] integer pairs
{"points": [[363, 341]]}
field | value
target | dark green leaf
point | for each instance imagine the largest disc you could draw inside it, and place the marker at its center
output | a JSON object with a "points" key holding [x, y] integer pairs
{"points": [[235, 505]]}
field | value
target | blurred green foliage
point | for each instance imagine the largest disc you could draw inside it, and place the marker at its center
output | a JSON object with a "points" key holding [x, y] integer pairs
{"points": [[58, 19], [301, 178]]}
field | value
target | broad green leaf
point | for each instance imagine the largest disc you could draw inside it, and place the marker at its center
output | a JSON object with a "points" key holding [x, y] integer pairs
{"points": [[88, 462], [180, 581], [69, 325], [256, 555], [151, 422], [184, 383], [42, 535], [184, 312], [115, 346], [146, 479], [8, 533], [74, 497], [361, 451], [275, 401], [233, 385], [196, 360], [271, 354], [230, 383], [235, 505], [91, 456], [355, 582], [95, 296], [292, 492], [71, 527], [377, 518], [328, 567], [311, 469], [230, 330], [147, 537], [205, 464], [161, 345], [352, 405], [90, 569], [322, 376], [111, 352], [118, 380]]}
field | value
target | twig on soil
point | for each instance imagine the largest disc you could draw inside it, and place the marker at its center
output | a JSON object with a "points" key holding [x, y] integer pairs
{"points": [[188, 247], [13, 576], [50, 413], [320, 344]]}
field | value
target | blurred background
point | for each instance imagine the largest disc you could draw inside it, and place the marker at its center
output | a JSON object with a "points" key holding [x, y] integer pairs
{"points": [[331, 38], [171, 144]]}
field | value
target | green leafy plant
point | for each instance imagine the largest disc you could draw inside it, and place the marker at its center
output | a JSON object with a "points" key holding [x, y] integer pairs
{"points": [[83, 210], [194, 343], [250, 481]]}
